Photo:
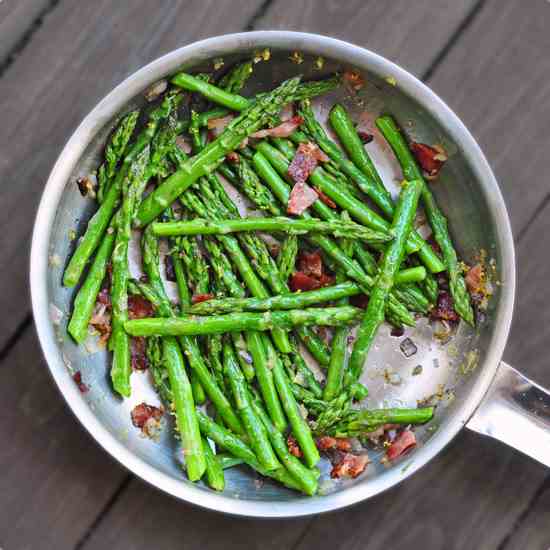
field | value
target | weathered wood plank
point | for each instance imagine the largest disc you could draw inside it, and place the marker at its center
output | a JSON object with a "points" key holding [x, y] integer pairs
{"points": [[412, 36], [498, 80], [55, 479], [533, 533], [73, 61], [17, 18], [144, 518]]}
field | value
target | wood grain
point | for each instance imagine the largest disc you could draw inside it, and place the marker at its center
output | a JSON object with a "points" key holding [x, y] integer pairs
{"points": [[17, 20], [497, 78], [534, 532], [55, 479], [73, 60], [144, 518], [410, 36]]}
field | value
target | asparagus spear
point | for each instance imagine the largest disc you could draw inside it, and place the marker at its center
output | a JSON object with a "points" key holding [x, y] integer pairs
{"points": [[121, 367], [292, 226], [393, 256], [86, 298], [236, 322], [370, 185], [286, 260], [214, 468], [348, 265], [252, 118], [186, 419], [264, 376], [363, 421], [114, 150], [236, 102], [300, 429], [436, 218], [227, 461], [255, 430]]}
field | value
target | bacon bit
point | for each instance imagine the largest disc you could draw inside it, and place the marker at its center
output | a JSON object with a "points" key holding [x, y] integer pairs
{"points": [[431, 159], [103, 297], [354, 79], [375, 435], [77, 377], [232, 157], [311, 264], [307, 156], [156, 90], [301, 281], [169, 268], [183, 144], [283, 130], [405, 441], [139, 307], [397, 331], [444, 308], [365, 136], [101, 320], [325, 199], [360, 300], [326, 280], [326, 443], [217, 125], [323, 334], [146, 418], [474, 279], [350, 466], [198, 298], [301, 198], [86, 186], [293, 447], [138, 353], [287, 112]]}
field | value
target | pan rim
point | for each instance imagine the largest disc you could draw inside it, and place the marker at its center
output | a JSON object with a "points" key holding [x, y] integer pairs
{"points": [[109, 106]]}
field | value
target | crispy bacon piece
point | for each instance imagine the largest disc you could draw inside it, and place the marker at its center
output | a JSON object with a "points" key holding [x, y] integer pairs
{"points": [[169, 268], [104, 297], [325, 198], [361, 300], [307, 156], [198, 298], [86, 186], [301, 198], [311, 273], [232, 157], [293, 447], [139, 307], [365, 136], [445, 308], [474, 279], [311, 263], [301, 281], [77, 377], [354, 79], [217, 125], [431, 159], [138, 353], [349, 466], [283, 130], [101, 320], [146, 417], [327, 443], [404, 442]]}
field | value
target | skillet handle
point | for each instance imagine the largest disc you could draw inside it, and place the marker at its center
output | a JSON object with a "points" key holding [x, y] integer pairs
{"points": [[516, 411]]}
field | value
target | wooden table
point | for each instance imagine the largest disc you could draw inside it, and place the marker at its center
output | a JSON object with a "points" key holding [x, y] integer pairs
{"points": [[489, 60]]}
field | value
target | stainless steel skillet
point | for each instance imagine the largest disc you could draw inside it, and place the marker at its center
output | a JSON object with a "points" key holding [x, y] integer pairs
{"points": [[473, 387]]}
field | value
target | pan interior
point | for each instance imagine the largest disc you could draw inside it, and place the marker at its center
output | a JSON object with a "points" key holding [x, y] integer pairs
{"points": [[448, 369]]}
